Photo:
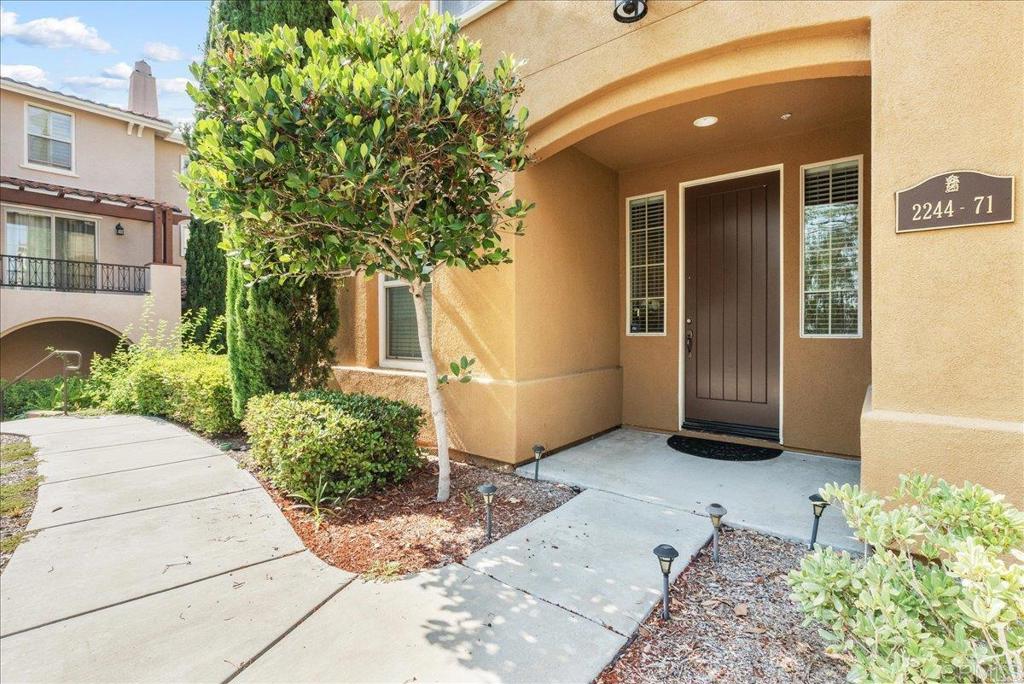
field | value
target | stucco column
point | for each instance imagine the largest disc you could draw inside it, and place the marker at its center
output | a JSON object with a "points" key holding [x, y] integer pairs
{"points": [[947, 305]]}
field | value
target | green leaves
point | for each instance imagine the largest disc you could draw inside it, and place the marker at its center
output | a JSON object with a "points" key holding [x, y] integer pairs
{"points": [[374, 145], [461, 370], [937, 599]]}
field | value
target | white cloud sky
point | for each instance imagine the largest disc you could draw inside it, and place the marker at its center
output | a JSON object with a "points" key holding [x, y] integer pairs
{"points": [[161, 52], [51, 32], [29, 73], [96, 82], [171, 85], [119, 70]]}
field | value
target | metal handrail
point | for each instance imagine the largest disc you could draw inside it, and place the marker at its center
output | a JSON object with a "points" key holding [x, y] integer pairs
{"points": [[63, 354], [72, 276]]}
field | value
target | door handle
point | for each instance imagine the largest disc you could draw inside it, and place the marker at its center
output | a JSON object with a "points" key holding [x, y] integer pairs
{"points": [[689, 343]]}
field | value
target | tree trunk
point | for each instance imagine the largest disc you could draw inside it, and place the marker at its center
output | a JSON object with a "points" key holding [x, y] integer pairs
{"points": [[433, 390]]}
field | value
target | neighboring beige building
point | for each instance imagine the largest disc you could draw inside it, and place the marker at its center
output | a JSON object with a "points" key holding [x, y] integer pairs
{"points": [[715, 245], [91, 221]]}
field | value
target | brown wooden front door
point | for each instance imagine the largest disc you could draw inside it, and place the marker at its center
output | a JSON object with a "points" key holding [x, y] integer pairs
{"points": [[731, 316]]}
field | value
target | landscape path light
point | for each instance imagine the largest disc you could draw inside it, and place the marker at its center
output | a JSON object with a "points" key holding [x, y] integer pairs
{"points": [[717, 512], [487, 491], [818, 504], [538, 451], [666, 554]]}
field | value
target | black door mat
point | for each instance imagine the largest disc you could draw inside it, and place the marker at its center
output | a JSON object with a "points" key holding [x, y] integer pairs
{"points": [[721, 451]]}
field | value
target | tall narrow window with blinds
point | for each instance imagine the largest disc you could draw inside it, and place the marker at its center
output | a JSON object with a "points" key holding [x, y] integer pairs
{"points": [[401, 344], [646, 265], [831, 287]]}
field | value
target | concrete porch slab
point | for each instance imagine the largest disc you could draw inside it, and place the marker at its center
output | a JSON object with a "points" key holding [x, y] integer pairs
{"points": [[133, 490], [446, 625], [67, 465], [202, 632], [769, 496], [593, 556], [82, 567]]}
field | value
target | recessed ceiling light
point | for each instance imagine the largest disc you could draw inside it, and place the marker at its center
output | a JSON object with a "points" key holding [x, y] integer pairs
{"points": [[705, 121], [786, 116]]}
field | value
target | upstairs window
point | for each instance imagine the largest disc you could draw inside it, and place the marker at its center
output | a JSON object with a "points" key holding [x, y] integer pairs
{"points": [[50, 138], [645, 269], [399, 336], [831, 260]]}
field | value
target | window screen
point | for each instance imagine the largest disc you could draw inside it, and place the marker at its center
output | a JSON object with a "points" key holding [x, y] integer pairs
{"points": [[831, 244], [647, 265], [49, 138], [402, 339]]}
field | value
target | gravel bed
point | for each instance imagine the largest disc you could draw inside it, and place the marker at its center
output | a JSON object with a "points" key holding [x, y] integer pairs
{"points": [[19, 485], [730, 622]]}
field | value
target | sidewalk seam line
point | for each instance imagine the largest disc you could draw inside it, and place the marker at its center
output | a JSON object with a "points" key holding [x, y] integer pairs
{"points": [[249, 661], [127, 470], [148, 508], [547, 601], [46, 452], [149, 594]]}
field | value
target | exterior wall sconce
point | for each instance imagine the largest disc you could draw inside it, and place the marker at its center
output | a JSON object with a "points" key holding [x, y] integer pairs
{"points": [[818, 505], [717, 512], [487, 491], [666, 554], [628, 11], [538, 451], [119, 230]]}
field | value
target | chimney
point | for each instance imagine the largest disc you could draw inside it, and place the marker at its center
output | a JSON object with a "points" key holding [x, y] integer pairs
{"points": [[142, 90]]}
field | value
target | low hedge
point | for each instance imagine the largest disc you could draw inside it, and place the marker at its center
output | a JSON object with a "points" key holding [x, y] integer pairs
{"points": [[350, 443], [191, 387]]}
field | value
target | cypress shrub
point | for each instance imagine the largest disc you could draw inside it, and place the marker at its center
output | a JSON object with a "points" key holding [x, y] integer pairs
{"points": [[278, 334], [205, 277]]}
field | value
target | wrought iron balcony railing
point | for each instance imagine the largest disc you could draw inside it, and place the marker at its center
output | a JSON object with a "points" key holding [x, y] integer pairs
{"points": [[72, 276]]}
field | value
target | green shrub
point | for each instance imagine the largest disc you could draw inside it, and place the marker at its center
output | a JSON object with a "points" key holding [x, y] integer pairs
{"points": [[350, 442], [175, 378], [45, 394], [937, 599], [206, 275]]}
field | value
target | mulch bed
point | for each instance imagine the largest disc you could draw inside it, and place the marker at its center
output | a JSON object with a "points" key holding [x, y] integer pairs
{"points": [[19, 486], [402, 528], [730, 622]]}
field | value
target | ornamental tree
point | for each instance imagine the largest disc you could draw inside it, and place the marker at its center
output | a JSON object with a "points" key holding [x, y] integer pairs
{"points": [[369, 148]]}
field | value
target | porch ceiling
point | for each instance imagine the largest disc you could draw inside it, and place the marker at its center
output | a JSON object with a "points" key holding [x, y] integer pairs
{"points": [[744, 115]]}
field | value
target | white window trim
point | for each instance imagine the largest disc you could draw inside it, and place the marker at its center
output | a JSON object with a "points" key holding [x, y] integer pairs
{"points": [[664, 265], [26, 164], [183, 230], [52, 215], [473, 14], [859, 158], [182, 164], [382, 327]]}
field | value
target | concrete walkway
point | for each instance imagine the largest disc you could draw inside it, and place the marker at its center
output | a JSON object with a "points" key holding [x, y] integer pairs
{"points": [[768, 496], [156, 559]]}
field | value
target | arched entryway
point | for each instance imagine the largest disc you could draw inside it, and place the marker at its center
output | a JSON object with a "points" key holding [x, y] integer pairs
{"points": [[24, 346]]}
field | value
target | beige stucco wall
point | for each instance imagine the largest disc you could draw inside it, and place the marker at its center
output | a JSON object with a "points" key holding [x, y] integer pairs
{"points": [[947, 307], [106, 157], [119, 313], [948, 348], [823, 380]]}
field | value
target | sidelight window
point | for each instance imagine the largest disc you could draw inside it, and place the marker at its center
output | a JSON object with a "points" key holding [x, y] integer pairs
{"points": [[399, 337], [831, 250], [645, 266]]}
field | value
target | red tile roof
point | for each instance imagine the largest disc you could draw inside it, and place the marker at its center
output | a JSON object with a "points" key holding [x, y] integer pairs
{"points": [[65, 191]]}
